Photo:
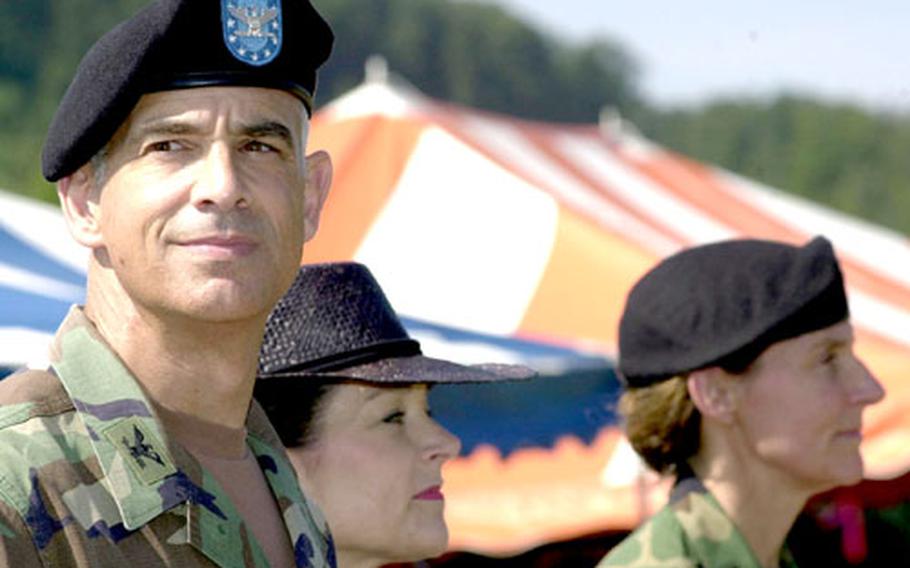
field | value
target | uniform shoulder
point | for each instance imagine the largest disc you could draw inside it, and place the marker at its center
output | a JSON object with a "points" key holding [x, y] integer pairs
{"points": [[30, 393], [658, 543], [37, 434]]}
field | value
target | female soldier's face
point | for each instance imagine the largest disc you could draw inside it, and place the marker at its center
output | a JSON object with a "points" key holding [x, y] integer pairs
{"points": [[801, 408], [374, 468]]}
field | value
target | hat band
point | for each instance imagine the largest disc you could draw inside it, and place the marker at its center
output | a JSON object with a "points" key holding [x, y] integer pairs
{"points": [[191, 80], [355, 357]]}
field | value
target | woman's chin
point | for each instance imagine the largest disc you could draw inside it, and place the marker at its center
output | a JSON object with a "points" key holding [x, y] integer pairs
{"points": [[429, 544], [432, 547], [433, 542]]}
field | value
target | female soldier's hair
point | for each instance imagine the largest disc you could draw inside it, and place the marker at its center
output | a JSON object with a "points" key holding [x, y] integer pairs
{"points": [[662, 423], [294, 407]]}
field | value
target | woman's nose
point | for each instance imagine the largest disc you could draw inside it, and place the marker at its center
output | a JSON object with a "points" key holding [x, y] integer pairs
{"points": [[866, 389], [442, 444]]}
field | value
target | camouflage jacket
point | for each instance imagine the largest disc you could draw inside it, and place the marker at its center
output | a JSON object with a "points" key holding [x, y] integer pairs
{"points": [[691, 531], [88, 477]]}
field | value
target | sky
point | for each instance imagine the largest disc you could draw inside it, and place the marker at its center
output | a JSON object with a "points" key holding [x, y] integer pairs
{"points": [[691, 50]]}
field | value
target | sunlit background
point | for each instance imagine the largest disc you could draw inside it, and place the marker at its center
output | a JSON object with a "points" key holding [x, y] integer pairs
{"points": [[508, 169]]}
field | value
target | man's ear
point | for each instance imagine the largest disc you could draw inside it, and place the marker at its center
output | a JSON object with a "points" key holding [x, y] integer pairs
{"points": [[714, 392], [79, 202], [318, 182]]}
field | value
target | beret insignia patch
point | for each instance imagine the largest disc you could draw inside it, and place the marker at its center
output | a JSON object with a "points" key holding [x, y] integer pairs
{"points": [[252, 29]]}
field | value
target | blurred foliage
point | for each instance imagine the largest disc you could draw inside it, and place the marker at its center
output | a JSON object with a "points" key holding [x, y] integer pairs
{"points": [[480, 55], [41, 43], [841, 155]]}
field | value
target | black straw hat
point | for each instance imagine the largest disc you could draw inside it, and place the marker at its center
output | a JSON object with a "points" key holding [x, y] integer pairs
{"points": [[336, 324]]}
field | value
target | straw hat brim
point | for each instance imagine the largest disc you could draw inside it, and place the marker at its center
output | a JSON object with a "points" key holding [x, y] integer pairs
{"points": [[414, 369]]}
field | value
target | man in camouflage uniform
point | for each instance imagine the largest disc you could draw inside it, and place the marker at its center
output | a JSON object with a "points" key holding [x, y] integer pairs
{"points": [[179, 155]]}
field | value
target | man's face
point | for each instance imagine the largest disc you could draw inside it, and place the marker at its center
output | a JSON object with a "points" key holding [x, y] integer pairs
{"points": [[202, 210]]}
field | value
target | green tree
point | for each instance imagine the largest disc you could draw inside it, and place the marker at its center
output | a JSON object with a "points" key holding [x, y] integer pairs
{"points": [[41, 43], [478, 55], [835, 154]]}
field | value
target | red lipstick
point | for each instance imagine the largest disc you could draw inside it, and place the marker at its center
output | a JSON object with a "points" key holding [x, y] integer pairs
{"points": [[430, 494]]}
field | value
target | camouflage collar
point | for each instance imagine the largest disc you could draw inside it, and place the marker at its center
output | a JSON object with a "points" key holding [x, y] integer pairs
{"points": [[125, 434], [147, 474], [714, 538]]}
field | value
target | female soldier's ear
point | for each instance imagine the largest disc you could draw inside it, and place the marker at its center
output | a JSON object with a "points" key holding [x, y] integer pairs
{"points": [[714, 393], [79, 202]]}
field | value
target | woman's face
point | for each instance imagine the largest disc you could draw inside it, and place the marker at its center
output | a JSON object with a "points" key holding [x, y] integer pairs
{"points": [[374, 467], [801, 408]]}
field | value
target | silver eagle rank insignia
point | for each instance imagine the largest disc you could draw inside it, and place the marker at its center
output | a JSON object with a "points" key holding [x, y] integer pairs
{"points": [[252, 29]]}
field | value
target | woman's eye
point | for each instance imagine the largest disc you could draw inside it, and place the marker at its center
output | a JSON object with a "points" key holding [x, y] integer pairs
{"points": [[831, 363], [396, 417]]}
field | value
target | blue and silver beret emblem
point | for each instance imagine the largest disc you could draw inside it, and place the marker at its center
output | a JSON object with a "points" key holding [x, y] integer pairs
{"points": [[252, 29]]}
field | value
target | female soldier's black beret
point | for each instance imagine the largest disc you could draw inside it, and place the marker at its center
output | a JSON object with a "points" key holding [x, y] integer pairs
{"points": [[178, 44], [723, 304]]}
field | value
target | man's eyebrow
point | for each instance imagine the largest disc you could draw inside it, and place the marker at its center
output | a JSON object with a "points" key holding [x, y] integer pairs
{"points": [[168, 127], [164, 127], [267, 129]]}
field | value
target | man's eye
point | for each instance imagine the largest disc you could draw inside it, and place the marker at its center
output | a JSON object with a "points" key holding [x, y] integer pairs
{"points": [[257, 146], [163, 146]]}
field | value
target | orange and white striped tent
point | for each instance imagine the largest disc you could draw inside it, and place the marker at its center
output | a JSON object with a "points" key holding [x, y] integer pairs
{"points": [[531, 230]]}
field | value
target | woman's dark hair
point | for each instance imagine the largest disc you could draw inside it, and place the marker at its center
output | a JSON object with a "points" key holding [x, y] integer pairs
{"points": [[293, 406]]}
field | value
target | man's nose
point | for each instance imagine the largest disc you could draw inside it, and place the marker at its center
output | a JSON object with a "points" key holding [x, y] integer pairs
{"points": [[219, 184]]}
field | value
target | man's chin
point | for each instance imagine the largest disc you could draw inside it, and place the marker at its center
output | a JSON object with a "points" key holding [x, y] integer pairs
{"points": [[221, 301]]}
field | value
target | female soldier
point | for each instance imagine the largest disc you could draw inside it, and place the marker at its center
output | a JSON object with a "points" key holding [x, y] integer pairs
{"points": [[346, 389], [742, 382]]}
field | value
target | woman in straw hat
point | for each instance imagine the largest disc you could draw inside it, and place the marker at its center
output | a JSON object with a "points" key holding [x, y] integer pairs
{"points": [[346, 389], [741, 382]]}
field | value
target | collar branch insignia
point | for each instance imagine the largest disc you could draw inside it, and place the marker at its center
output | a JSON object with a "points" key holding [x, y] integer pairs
{"points": [[139, 450]]}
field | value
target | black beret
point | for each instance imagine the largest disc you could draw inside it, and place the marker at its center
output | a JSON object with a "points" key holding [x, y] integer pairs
{"points": [[177, 44], [723, 304]]}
